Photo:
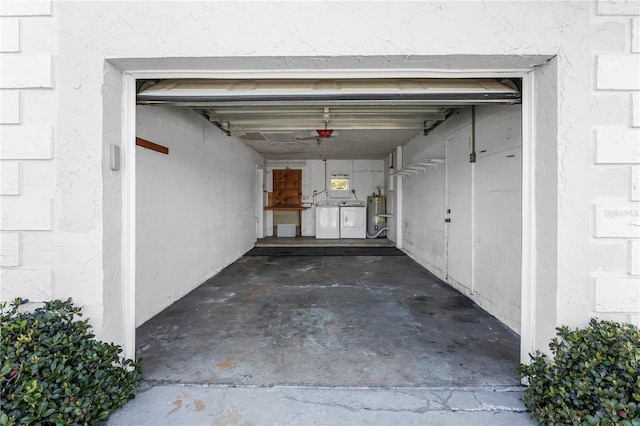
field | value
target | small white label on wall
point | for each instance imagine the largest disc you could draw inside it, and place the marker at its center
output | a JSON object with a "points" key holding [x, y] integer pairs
{"points": [[618, 220]]}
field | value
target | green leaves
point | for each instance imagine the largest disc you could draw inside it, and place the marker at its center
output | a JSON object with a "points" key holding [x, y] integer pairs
{"points": [[4, 419], [594, 377], [53, 371]]}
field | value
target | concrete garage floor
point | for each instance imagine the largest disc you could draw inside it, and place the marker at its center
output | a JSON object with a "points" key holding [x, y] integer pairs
{"points": [[327, 321], [312, 328]]}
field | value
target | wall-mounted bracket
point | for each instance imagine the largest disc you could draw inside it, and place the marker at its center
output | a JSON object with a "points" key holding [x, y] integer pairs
{"points": [[152, 146], [418, 166]]}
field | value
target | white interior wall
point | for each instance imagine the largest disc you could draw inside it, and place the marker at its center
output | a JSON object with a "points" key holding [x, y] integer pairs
{"points": [[424, 198], [496, 192], [195, 206], [497, 212], [366, 177]]}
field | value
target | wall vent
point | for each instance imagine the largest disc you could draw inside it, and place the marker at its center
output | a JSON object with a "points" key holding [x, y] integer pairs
{"points": [[279, 137]]}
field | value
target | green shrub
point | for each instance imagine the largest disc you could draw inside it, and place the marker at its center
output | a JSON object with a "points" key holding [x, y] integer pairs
{"points": [[593, 379], [55, 372]]}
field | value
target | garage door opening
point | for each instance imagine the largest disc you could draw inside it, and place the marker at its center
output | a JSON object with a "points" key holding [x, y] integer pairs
{"points": [[202, 201]]}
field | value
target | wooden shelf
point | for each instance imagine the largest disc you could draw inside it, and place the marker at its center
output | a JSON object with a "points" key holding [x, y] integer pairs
{"points": [[152, 146], [292, 208]]}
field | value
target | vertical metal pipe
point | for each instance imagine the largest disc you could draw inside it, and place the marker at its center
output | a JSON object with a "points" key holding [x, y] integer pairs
{"points": [[472, 156], [399, 217]]}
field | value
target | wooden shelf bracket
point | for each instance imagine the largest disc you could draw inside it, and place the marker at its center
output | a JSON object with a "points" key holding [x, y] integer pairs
{"points": [[152, 146]]}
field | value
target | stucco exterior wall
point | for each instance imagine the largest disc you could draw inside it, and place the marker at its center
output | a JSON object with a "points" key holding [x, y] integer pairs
{"points": [[53, 119]]}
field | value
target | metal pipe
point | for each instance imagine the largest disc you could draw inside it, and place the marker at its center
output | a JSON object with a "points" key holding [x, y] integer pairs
{"points": [[377, 234], [315, 192], [472, 156]]}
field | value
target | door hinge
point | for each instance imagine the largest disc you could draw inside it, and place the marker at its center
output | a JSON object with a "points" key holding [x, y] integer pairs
{"points": [[448, 220]]}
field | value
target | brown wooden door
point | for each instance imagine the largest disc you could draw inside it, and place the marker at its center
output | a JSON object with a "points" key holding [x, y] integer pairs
{"points": [[287, 188]]}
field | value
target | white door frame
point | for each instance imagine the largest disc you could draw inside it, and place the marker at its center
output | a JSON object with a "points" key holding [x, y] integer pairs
{"points": [[528, 262]]}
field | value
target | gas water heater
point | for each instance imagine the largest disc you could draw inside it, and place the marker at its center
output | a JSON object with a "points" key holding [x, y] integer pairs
{"points": [[376, 206]]}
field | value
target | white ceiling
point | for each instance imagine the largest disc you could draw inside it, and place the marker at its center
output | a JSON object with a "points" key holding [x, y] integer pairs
{"points": [[279, 118], [346, 144]]}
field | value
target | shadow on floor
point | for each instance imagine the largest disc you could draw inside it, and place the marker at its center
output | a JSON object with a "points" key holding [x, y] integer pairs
{"points": [[370, 321]]}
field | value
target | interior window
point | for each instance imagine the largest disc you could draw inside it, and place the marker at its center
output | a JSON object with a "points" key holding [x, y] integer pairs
{"points": [[339, 184]]}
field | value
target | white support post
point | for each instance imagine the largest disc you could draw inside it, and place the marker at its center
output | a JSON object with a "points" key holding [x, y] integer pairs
{"points": [[528, 277], [128, 163]]}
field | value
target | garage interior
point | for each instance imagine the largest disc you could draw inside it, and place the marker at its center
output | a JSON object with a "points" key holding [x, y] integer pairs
{"points": [[432, 300]]}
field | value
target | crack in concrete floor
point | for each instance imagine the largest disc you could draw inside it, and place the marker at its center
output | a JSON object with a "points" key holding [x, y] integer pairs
{"points": [[278, 405]]}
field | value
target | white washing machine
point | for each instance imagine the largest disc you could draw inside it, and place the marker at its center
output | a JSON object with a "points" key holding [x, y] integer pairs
{"points": [[353, 221], [327, 221]]}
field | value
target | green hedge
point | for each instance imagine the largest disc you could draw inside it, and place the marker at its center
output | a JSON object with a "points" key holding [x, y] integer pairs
{"points": [[55, 372], [593, 379]]}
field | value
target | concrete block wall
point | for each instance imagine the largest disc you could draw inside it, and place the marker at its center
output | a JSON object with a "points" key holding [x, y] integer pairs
{"points": [[496, 208], [424, 198], [616, 152], [195, 207], [27, 135]]}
